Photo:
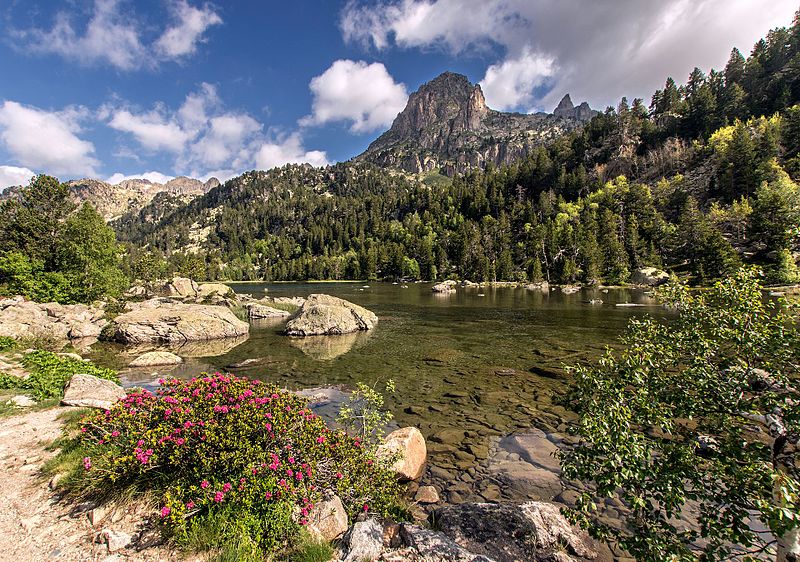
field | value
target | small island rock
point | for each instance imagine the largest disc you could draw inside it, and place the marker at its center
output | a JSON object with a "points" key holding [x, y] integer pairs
{"points": [[156, 359], [324, 315]]}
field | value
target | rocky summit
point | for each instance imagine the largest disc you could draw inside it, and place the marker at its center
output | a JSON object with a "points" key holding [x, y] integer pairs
{"points": [[447, 126], [114, 200]]}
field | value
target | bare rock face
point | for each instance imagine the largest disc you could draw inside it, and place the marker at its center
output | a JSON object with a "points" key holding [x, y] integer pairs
{"points": [[526, 532], [156, 359], [446, 287], [409, 446], [649, 276], [324, 315], [328, 519], [446, 125], [156, 321], [87, 391], [21, 318], [364, 541]]}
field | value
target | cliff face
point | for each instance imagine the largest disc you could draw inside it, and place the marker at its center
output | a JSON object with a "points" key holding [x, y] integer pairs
{"points": [[447, 125]]}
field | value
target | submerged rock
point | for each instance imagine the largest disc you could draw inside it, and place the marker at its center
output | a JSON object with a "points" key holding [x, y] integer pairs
{"points": [[324, 315], [87, 391], [156, 321], [409, 444]]}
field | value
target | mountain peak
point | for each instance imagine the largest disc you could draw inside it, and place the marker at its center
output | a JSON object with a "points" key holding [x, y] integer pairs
{"points": [[564, 105], [446, 124], [567, 110]]}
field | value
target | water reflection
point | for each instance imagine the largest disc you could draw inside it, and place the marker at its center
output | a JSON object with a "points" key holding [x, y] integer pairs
{"points": [[325, 348]]}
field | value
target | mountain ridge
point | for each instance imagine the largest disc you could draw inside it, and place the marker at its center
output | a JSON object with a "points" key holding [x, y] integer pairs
{"points": [[447, 125]]}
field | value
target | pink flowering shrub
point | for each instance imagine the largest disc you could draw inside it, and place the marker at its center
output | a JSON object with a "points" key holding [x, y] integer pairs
{"points": [[222, 446]]}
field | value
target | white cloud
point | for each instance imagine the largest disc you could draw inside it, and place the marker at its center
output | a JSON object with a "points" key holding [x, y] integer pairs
{"points": [[365, 95], [206, 139], [45, 140], [154, 177], [288, 150], [114, 36], [152, 129], [511, 84], [603, 50], [181, 39], [13, 175]]}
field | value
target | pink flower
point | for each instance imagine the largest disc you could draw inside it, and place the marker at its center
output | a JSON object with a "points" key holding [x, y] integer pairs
{"points": [[204, 484], [87, 463], [189, 505], [165, 511], [291, 460], [219, 496], [320, 439], [366, 507], [339, 475], [226, 487], [115, 433], [268, 496]]}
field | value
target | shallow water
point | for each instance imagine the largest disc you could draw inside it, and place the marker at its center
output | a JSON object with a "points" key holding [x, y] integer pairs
{"points": [[470, 368]]}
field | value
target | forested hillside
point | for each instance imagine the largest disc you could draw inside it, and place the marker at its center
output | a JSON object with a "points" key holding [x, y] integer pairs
{"points": [[701, 180]]}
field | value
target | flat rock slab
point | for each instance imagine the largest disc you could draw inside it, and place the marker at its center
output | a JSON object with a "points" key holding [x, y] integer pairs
{"points": [[165, 322], [526, 532]]}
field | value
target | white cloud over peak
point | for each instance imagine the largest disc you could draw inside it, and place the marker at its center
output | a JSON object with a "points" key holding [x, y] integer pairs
{"points": [[511, 83], [155, 177], [181, 39], [114, 36], [364, 95], [47, 140], [288, 149], [13, 175], [601, 50]]}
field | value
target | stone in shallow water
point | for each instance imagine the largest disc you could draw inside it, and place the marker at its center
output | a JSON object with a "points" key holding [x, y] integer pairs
{"points": [[409, 444], [534, 447], [426, 494], [156, 359]]}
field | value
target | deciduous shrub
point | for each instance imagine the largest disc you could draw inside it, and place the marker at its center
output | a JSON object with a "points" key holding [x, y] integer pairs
{"points": [[231, 459]]}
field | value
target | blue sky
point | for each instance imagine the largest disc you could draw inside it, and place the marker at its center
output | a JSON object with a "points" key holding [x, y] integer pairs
{"points": [[159, 88]]}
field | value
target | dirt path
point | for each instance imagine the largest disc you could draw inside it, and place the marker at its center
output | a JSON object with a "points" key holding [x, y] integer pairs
{"points": [[35, 526]]}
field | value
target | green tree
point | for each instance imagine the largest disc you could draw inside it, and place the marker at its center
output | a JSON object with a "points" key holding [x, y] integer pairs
{"points": [[670, 420], [89, 255]]}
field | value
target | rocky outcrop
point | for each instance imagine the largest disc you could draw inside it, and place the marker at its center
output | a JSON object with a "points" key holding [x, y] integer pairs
{"points": [[156, 359], [649, 276], [447, 126], [22, 319], [526, 532], [566, 110], [408, 445], [324, 315], [87, 391], [160, 321]]}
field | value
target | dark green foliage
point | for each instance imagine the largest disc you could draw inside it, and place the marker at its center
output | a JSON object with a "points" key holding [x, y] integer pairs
{"points": [[50, 252], [669, 421]]}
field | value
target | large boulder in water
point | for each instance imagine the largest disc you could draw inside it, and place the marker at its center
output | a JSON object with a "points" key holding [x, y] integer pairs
{"points": [[526, 532], [324, 315], [156, 321]]}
